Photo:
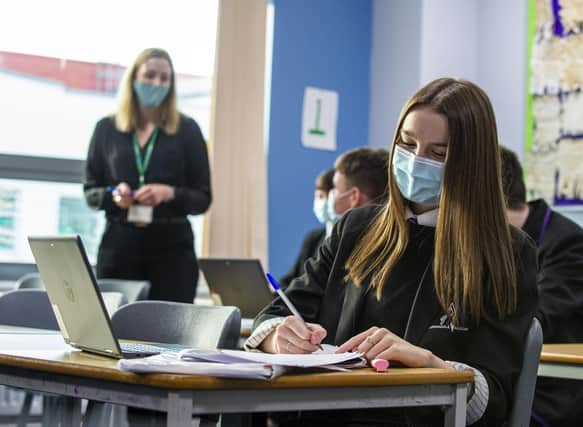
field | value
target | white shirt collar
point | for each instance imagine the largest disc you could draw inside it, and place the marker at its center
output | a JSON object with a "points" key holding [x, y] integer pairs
{"points": [[428, 219]]}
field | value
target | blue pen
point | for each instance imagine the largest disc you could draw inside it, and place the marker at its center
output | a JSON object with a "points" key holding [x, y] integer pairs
{"points": [[286, 300], [112, 189]]}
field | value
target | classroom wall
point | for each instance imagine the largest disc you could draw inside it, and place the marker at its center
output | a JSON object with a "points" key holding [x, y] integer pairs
{"points": [[448, 39], [484, 41], [395, 64], [326, 44], [502, 43]]}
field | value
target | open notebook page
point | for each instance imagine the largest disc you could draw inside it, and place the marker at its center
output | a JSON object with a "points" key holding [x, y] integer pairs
{"points": [[313, 360]]}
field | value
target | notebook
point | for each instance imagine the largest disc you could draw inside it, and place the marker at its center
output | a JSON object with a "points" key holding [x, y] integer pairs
{"points": [[76, 301], [238, 282], [242, 364]]}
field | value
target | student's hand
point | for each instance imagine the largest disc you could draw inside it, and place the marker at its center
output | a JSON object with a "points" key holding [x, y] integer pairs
{"points": [[154, 194], [380, 343], [292, 336], [122, 195]]}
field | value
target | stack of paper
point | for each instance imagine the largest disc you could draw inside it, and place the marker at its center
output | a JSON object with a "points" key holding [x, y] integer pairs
{"points": [[240, 364]]}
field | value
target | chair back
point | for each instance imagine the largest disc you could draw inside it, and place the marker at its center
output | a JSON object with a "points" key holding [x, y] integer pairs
{"points": [[113, 301], [30, 281], [27, 307], [198, 326], [133, 290], [524, 389]]}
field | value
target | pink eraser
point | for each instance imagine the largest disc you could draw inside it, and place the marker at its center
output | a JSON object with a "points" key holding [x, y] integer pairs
{"points": [[380, 365]]}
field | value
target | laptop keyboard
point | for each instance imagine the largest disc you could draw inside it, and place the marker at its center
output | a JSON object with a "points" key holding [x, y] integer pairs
{"points": [[140, 348]]}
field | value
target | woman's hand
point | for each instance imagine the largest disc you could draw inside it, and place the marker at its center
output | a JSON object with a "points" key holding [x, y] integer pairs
{"points": [[380, 343], [122, 195], [293, 336], [154, 194]]}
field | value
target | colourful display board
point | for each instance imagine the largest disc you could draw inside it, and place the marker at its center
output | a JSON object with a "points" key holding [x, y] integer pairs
{"points": [[554, 146]]}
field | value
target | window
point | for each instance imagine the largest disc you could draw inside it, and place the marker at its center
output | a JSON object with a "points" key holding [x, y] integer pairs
{"points": [[58, 75]]}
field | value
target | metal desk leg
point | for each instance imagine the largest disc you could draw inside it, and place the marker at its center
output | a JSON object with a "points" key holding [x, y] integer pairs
{"points": [[71, 412], [455, 415], [179, 409]]}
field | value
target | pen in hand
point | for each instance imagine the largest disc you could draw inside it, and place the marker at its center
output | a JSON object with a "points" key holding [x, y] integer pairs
{"points": [[286, 300], [113, 190]]}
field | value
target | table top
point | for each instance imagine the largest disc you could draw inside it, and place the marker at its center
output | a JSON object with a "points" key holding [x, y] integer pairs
{"points": [[49, 353], [562, 353]]}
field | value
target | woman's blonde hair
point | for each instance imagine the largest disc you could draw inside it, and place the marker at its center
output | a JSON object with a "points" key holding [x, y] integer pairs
{"points": [[128, 117], [473, 260]]}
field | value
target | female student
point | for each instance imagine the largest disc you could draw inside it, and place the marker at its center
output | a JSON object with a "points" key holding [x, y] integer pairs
{"points": [[148, 168], [435, 278]]}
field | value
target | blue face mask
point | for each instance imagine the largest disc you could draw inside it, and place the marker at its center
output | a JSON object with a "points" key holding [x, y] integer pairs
{"points": [[332, 215], [418, 178], [149, 95], [321, 210]]}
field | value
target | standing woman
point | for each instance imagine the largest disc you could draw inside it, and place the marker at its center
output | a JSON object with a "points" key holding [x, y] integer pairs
{"points": [[148, 168], [434, 278]]}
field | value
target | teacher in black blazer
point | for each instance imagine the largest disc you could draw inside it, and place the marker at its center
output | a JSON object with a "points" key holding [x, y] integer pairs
{"points": [[148, 168], [435, 278]]}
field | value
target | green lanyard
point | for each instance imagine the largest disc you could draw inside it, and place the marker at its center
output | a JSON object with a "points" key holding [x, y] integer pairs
{"points": [[143, 165]]}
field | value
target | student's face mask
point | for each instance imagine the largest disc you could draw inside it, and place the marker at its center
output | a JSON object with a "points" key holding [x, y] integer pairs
{"points": [[418, 178], [332, 215], [321, 209], [332, 196], [149, 95]]}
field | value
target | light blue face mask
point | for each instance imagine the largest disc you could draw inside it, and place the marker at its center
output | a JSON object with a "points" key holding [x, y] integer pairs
{"points": [[332, 196], [321, 210], [418, 178], [149, 95], [332, 215]]}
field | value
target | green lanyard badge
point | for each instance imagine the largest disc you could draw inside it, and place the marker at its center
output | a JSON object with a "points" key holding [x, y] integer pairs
{"points": [[143, 165]]}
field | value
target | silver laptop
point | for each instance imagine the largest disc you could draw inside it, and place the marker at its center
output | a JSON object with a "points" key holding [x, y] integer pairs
{"points": [[77, 302], [238, 282]]}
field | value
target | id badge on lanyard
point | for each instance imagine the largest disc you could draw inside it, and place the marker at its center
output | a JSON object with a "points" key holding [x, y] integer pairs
{"points": [[140, 214]]}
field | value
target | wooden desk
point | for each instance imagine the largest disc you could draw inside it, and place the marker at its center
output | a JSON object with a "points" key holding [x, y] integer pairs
{"points": [[561, 361], [45, 363]]}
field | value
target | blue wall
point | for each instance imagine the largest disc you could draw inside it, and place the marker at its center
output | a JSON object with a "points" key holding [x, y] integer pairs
{"points": [[325, 44]]}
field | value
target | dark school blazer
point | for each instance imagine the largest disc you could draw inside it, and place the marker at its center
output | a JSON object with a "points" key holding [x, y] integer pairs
{"points": [[560, 282], [310, 245], [495, 347]]}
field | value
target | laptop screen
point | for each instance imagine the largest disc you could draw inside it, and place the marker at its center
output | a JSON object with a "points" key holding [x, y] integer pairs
{"points": [[238, 282]]}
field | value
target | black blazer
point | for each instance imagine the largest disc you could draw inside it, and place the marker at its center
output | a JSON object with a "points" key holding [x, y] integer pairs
{"points": [[310, 245], [560, 281], [179, 160], [495, 347]]}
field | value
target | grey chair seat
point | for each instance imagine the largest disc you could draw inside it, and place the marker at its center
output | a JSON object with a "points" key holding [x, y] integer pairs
{"points": [[30, 281], [207, 327], [133, 290], [197, 326], [30, 308], [525, 386]]}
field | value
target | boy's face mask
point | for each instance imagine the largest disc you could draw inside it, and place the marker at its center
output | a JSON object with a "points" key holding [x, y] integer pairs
{"points": [[321, 210]]}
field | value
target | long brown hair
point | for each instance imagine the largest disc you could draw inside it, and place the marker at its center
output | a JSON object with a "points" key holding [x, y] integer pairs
{"points": [[127, 117], [473, 260]]}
